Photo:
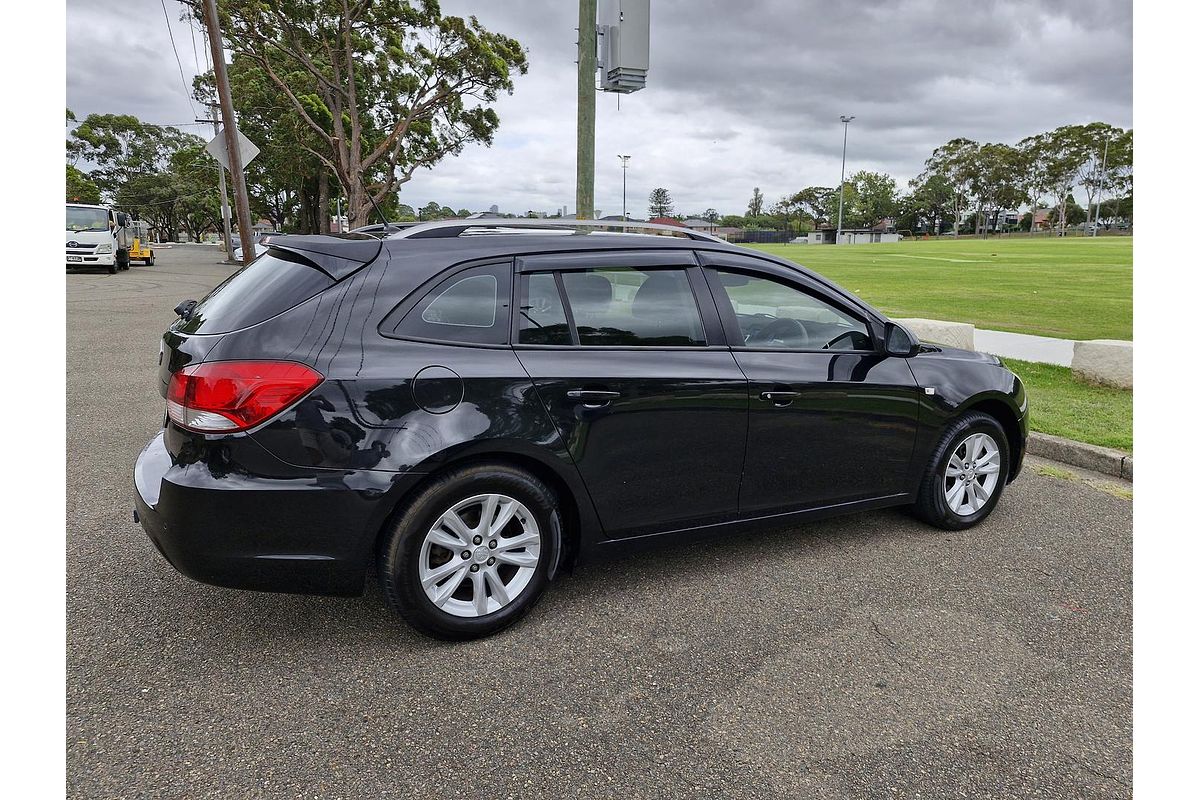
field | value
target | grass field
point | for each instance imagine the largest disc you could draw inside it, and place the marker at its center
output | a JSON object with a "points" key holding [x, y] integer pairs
{"points": [[1076, 288], [1063, 406]]}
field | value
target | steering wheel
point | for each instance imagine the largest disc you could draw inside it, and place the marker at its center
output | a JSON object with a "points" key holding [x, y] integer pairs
{"points": [[781, 330]]}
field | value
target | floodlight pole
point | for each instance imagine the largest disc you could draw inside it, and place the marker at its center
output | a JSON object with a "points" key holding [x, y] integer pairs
{"points": [[624, 171], [842, 185], [1100, 189], [585, 132]]}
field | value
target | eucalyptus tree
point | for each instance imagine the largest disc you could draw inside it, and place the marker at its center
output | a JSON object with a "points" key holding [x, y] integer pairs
{"points": [[956, 162], [122, 147], [1109, 161], [383, 88]]}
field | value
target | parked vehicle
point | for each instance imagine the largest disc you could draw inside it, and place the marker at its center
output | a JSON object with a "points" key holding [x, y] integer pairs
{"points": [[259, 245], [140, 248], [382, 229], [97, 236], [475, 415]]}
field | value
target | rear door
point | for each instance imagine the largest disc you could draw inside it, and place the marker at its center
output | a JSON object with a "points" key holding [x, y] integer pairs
{"points": [[833, 418], [629, 359]]}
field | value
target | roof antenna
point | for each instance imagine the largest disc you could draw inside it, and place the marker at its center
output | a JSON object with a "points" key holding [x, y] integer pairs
{"points": [[387, 226]]}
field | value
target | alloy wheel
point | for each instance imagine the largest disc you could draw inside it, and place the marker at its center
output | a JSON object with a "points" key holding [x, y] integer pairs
{"points": [[972, 474], [479, 555]]}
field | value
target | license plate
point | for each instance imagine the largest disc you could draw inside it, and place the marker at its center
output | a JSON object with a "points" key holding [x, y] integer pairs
{"points": [[74, 258]]}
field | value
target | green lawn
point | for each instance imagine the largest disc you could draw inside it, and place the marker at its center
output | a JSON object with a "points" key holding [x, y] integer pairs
{"points": [[1073, 288], [1063, 406]]}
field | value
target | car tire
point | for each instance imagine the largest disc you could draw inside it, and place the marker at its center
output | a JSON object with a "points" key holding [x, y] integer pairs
{"points": [[150, 261], [944, 504], [112, 268], [404, 552]]}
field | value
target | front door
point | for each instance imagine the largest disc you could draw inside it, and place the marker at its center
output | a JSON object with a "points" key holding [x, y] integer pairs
{"points": [[652, 406], [832, 418]]}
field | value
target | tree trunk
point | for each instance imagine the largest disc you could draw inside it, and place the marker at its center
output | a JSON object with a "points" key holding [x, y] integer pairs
{"points": [[322, 202]]}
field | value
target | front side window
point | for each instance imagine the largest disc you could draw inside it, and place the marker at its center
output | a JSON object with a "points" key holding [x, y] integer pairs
{"points": [[773, 314], [631, 307], [469, 307]]}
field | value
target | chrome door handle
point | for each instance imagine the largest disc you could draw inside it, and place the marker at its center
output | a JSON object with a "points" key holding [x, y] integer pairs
{"points": [[593, 397], [779, 398]]}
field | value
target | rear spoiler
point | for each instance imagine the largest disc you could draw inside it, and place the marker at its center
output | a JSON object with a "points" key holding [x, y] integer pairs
{"points": [[336, 256]]}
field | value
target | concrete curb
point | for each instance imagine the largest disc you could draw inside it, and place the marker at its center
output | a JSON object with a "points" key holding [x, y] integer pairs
{"points": [[1088, 456]]}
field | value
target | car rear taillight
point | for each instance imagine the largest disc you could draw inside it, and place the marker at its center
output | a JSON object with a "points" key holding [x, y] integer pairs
{"points": [[227, 396]]}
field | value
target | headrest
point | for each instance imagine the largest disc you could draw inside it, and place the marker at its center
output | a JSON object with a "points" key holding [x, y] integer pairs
{"points": [[659, 295], [588, 291]]}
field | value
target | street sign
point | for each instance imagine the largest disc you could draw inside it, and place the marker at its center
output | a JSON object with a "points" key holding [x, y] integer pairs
{"points": [[217, 149]]}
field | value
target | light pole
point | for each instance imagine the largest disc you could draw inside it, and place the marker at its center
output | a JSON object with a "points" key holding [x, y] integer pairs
{"points": [[624, 170], [842, 185], [1100, 189]]}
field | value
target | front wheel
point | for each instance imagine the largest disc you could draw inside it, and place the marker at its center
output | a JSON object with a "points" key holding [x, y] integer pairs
{"points": [[966, 474], [469, 555]]}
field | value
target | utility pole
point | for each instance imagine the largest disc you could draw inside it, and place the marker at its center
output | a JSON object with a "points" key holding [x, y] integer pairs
{"points": [[226, 222], [585, 133], [215, 42], [842, 185], [624, 170]]}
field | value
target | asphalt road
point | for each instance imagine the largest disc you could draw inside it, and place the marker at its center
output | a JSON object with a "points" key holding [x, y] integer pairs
{"points": [[868, 656]]}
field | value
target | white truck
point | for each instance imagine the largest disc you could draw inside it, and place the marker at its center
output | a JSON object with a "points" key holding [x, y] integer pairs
{"points": [[97, 236]]}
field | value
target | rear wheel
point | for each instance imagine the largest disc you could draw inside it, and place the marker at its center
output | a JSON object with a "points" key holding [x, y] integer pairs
{"points": [[469, 555], [966, 475], [150, 261]]}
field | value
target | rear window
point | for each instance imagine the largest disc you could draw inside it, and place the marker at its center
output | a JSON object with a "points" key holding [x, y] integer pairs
{"points": [[270, 285]]}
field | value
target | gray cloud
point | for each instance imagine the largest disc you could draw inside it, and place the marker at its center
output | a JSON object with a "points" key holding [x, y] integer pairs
{"points": [[739, 95]]}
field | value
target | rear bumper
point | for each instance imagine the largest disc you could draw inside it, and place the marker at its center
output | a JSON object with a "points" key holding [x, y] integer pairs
{"points": [[309, 535]]}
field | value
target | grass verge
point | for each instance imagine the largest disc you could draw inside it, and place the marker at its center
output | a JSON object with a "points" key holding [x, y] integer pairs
{"points": [[1061, 405], [1078, 288]]}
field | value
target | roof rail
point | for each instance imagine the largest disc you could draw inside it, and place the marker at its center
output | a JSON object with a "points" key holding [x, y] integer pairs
{"points": [[453, 227]]}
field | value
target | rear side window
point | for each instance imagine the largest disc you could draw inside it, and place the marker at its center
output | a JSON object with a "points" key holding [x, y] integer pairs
{"points": [[631, 307], [543, 319], [470, 307], [270, 285]]}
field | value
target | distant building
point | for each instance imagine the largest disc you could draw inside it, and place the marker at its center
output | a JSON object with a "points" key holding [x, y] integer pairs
{"points": [[702, 225], [666, 221]]}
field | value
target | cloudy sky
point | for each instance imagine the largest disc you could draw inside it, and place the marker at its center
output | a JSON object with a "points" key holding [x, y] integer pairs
{"points": [[739, 94]]}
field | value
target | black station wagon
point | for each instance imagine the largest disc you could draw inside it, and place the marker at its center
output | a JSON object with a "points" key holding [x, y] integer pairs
{"points": [[473, 409]]}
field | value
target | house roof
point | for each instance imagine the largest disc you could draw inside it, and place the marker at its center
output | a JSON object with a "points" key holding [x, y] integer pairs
{"points": [[666, 221]]}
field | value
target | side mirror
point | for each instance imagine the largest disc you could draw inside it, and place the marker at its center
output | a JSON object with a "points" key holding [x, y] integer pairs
{"points": [[122, 219], [898, 341]]}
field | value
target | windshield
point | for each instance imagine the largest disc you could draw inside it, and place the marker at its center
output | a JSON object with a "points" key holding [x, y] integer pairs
{"points": [[81, 218]]}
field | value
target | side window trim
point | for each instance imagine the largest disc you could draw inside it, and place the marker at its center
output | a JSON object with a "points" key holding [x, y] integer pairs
{"points": [[729, 320]]}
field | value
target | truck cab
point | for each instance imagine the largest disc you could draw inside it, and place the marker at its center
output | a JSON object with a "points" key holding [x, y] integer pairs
{"points": [[97, 236]]}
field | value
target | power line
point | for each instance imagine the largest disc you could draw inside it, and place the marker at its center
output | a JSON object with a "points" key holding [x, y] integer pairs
{"points": [[171, 33]]}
